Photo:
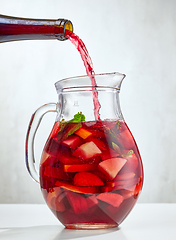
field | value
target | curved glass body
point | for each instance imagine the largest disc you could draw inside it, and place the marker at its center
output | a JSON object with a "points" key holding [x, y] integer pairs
{"points": [[91, 178]]}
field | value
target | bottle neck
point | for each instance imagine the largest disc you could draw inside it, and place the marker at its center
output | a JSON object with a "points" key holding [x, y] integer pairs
{"points": [[13, 29]]}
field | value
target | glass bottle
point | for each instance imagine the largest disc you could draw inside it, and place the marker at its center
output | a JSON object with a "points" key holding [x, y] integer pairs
{"points": [[13, 29]]}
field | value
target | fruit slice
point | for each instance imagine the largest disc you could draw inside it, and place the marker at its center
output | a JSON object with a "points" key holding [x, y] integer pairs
{"points": [[83, 133], [91, 201], [122, 184], [72, 141], [68, 159], [55, 130], [55, 199], [111, 167], [111, 198], [127, 193], [138, 187], [77, 202], [109, 187], [79, 167], [125, 176], [87, 150], [52, 147], [44, 157], [77, 189], [133, 190], [55, 173], [87, 179], [126, 140], [132, 162], [67, 129]]}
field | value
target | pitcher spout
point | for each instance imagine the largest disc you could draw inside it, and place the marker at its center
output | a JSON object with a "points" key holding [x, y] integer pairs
{"points": [[116, 80]]}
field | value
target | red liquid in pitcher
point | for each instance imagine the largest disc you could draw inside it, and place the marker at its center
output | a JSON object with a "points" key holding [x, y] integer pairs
{"points": [[91, 173]]}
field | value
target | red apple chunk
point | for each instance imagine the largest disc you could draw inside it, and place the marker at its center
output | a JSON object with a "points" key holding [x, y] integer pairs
{"points": [[111, 167], [72, 141], [87, 150]]}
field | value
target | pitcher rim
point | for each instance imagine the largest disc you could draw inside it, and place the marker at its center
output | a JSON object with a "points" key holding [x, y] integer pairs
{"points": [[98, 74], [59, 83]]}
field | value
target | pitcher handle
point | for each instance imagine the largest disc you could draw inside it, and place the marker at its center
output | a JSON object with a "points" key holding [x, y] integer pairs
{"points": [[31, 132]]}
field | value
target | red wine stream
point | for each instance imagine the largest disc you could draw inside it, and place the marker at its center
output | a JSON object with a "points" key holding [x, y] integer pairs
{"points": [[89, 69]]}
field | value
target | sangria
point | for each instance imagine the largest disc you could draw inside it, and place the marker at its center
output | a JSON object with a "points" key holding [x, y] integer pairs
{"points": [[90, 172]]}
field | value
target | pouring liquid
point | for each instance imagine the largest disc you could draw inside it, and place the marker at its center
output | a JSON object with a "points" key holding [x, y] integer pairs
{"points": [[79, 44]]}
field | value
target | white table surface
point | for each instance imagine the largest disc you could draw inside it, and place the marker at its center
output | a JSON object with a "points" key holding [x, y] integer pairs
{"points": [[35, 222]]}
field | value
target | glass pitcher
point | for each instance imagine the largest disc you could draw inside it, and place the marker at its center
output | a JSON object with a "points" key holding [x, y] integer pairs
{"points": [[90, 171]]}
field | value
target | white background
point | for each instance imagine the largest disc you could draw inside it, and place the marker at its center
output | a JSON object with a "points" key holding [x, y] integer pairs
{"points": [[134, 37]]}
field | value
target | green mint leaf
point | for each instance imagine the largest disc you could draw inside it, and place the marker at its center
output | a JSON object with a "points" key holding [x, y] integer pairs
{"points": [[116, 147], [112, 133], [67, 128], [118, 125], [130, 152], [79, 117]]}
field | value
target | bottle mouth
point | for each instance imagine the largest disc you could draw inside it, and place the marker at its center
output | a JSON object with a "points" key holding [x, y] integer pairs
{"points": [[67, 28], [84, 83]]}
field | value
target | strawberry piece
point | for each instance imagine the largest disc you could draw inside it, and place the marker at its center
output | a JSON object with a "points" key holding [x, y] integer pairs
{"points": [[111, 167], [79, 167], [55, 199], [87, 179], [111, 198], [126, 140], [77, 202], [55, 172], [87, 150], [83, 133], [77, 189], [91, 201], [72, 141]]}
